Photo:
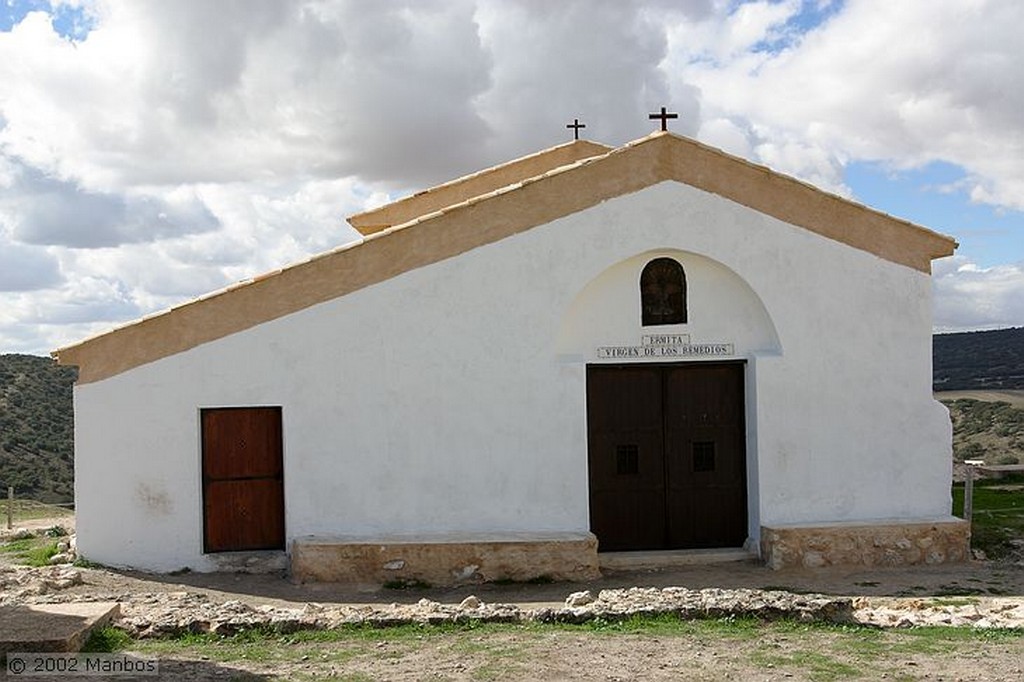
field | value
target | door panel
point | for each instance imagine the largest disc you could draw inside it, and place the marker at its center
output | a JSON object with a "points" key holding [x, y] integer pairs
{"points": [[686, 423], [243, 484], [242, 442], [704, 445], [243, 515], [627, 481]]}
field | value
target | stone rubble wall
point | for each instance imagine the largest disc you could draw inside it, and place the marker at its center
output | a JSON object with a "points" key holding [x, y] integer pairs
{"points": [[189, 612], [166, 614]]}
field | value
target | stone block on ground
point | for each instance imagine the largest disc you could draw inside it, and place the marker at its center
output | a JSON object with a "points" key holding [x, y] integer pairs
{"points": [[57, 628]]}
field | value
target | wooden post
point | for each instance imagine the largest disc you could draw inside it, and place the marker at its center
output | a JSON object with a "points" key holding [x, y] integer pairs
{"points": [[969, 494], [10, 507]]}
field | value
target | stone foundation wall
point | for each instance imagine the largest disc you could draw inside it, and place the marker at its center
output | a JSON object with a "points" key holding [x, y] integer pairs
{"points": [[886, 543], [446, 561]]}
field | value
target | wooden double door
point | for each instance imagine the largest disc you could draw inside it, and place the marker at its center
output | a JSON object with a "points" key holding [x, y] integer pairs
{"points": [[667, 455], [243, 479]]}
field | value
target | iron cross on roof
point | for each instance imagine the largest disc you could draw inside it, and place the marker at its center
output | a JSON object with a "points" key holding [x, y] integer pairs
{"points": [[576, 125], [664, 116]]}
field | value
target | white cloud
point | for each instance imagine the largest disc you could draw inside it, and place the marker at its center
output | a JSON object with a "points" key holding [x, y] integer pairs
{"points": [[38, 321], [554, 61], [40, 210], [727, 135], [164, 93], [25, 268], [174, 147], [972, 297], [903, 82], [753, 23]]}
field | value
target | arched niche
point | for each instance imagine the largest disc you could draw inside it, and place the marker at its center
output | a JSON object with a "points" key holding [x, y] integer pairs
{"points": [[720, 308]]}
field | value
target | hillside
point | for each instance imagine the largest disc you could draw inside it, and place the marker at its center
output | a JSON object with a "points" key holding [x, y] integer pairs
{"points": [[36, 428], [993, 431], [978, 360]]}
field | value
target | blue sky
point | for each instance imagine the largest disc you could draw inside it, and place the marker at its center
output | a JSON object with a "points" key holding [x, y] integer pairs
{"points": [[68, 21], [930, 196], [153, 151]]}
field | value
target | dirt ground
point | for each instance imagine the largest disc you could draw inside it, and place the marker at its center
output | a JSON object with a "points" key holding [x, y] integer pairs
{"points": [[974, 578], [978, 578], [768, 652]]}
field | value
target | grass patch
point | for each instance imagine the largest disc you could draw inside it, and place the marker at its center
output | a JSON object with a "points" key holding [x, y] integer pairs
{"points": [[331, 647], [35, 551], [998, 514], [503, 659], [491, 651], [818, 666], [30, 510], [107, 640], [953, 601], [670, 625]]}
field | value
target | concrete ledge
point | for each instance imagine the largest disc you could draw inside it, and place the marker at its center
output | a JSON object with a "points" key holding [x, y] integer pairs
{"points": [[632, 561], [449, 559], [263, 561], [885, 542], [57, 628]]}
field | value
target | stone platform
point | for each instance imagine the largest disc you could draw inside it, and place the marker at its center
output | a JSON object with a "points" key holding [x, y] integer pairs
{"points": [[52, 628], [886, 542], [441, 560]]}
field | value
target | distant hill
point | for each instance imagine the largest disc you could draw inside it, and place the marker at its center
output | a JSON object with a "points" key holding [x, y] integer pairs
{"points": [[983, 429], [978, 360], [36, 428], [37, 424]]}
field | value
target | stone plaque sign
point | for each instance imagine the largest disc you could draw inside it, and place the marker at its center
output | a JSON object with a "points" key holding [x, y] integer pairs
{"points": [[665, 346]]}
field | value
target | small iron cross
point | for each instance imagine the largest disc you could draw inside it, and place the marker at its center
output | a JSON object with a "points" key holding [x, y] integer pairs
{"points": [[576, 125], [664, 116]]}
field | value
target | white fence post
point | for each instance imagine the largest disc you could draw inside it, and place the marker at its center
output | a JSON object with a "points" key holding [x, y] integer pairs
{"points": [[10, 507]]}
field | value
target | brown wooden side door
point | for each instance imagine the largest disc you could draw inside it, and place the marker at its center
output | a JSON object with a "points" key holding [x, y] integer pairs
{"points": [[667, 456], [243, 481]]}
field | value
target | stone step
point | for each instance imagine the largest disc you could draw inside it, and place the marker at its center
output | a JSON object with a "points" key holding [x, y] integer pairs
{"points": [[630, 561], [57, 628]]}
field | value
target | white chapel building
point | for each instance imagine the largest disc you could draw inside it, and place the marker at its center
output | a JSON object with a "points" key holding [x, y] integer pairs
{"points": [[578, 355]]}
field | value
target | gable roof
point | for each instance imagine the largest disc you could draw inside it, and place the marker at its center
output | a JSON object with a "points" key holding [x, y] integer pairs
{"points": [[431, 230]]}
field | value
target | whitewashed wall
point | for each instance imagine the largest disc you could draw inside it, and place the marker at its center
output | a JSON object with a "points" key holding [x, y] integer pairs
{"points": [[451, 398]]}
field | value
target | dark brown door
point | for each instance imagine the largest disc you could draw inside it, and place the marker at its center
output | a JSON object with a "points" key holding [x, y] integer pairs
{"points": [[627, 469], [667, 456], [243, 483]]}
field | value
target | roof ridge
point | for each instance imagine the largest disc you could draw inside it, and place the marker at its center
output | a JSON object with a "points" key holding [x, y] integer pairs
{"points": [[474, 184]]}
